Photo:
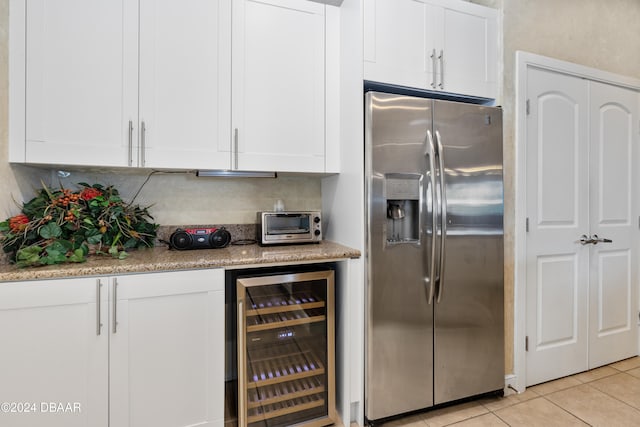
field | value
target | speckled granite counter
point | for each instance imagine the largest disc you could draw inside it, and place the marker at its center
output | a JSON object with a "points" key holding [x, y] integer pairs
{"points": [[163, 259]]}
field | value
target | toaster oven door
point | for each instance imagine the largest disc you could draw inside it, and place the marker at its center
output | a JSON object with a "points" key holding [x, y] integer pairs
{"points": [[287, 227]]}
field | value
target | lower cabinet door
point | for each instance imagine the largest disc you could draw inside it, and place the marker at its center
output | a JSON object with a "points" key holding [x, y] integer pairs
{"points": [[53, 353], [167, 349]]}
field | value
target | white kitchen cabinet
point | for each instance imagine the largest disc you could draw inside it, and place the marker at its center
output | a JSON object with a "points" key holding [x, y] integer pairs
{"points": [[167, 349], [185, 84], [80, 64], [279, 66], [52, 353], [449, 46], [157, 359], [130, 83]]}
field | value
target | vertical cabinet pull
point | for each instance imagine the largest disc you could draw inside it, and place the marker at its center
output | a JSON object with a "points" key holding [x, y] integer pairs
{"points": [[130, 143], [98, 307], [235, 148], [433, 68], [143, 137], [115, 305], [441, 58]]}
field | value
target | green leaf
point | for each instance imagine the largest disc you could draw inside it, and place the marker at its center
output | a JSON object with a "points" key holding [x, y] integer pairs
{"points": [[84, 248], [4, 225], [87, 221], [94, 239], [131, 243], [30, 254], [123, 255], [78, 256], [62, 246], [50, 230]]}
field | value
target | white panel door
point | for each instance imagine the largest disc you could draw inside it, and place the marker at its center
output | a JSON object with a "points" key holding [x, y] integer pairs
{"points": [[398, 43], [557, 211], [470, 54], [614, 216], [278, 110], [167, 349], [185, 84], [53, 350], [81, 81]]}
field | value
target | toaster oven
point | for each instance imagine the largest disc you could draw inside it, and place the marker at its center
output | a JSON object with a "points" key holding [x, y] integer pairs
{"points": [[289, 227]]}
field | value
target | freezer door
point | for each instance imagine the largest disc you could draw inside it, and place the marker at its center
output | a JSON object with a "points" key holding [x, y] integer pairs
{"points": [[399, 318], [469, 312]]}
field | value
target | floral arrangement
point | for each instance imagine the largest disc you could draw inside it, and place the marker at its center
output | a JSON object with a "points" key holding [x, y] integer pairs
{"points": [[60, 225]]}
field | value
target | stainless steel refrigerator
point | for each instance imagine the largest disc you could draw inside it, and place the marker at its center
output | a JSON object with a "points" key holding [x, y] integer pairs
{"points": [[435, 298]]}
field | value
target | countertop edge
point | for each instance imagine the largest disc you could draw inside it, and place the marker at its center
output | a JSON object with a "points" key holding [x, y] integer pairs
{"points": [[161, 259]]}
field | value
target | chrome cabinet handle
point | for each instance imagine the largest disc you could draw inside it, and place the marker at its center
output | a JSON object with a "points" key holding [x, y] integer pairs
{"points": [[443, 216], [441, 58], [98, 303], [143, 138], [433, 68], [235, 148], [430, 281], [115, 306], [130, 143]]}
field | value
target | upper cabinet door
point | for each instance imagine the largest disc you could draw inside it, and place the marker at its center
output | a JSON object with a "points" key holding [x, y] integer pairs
{"points": [[185, 84], [440, 45], [468, 64], [278, 111], [81, 81], [396, 45]]}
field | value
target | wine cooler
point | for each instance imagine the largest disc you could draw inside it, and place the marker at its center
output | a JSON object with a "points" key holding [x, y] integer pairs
{"points": [[286, 351]]}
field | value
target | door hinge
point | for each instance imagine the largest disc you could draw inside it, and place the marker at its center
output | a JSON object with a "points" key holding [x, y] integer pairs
{"points": [[528, 107], [526, 225], [526, 343]]}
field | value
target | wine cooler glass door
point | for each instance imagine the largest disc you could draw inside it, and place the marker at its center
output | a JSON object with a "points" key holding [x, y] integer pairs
{"points": [[286, 349]]}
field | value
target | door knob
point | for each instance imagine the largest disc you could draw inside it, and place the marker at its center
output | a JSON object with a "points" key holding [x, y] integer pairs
{"points": [[584, 240]]}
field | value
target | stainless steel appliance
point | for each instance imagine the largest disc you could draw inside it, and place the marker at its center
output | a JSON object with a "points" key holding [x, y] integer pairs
{"points": [[286, 353], [434, 317], [289, 227]]}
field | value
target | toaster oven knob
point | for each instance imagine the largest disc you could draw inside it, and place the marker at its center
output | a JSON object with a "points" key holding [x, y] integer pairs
{"points": [[316, 219], [317, 232]]}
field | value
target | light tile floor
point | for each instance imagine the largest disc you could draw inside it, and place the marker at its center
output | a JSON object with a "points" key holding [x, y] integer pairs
{"points": [[607, 396]]}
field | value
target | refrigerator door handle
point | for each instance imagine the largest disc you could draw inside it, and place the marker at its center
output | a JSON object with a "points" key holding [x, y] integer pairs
{"points": [[430, 280], [443, 217]]}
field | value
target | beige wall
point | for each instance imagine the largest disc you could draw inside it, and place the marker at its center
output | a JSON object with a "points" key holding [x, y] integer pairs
{"points": [[178, 199]]}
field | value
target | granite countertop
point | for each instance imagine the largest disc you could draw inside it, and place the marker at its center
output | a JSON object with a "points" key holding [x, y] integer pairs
{"points": [[162, 259]]}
